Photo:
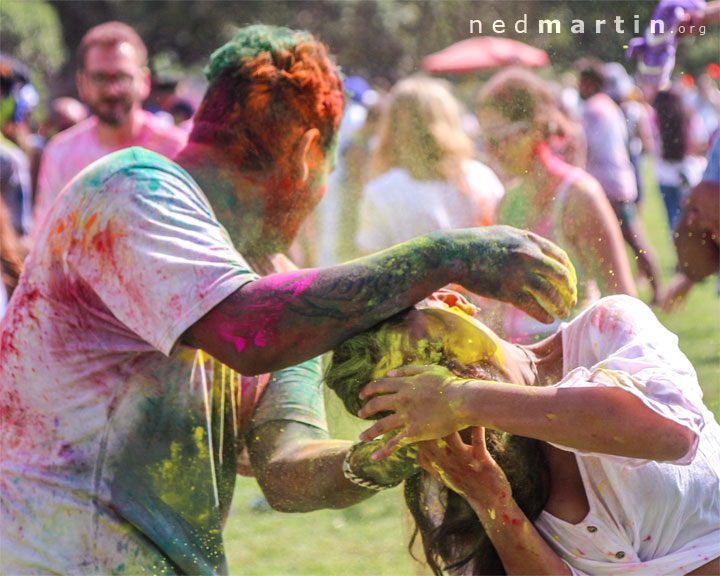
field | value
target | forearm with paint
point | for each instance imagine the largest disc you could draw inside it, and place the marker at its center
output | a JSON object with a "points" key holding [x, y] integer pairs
{"points": [[284, 319], [519, 545], [600, 419]]}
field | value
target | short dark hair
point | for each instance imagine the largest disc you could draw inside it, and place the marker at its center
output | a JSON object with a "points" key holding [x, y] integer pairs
{"points": [[263, 82], [110, 34], [592, 70]]}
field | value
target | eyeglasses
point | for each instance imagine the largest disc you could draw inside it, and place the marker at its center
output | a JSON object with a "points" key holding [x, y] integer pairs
{"points": [[102, 79]]}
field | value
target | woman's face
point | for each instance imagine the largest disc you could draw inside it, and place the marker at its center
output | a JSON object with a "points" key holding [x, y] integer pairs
{"points": [[510, 145]]}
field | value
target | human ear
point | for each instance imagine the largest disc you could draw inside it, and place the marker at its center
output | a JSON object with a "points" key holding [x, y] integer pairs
{"points": [[308, 153]]}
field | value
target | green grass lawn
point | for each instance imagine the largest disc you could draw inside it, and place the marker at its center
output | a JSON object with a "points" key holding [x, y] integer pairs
{"points": [[371, 538]]}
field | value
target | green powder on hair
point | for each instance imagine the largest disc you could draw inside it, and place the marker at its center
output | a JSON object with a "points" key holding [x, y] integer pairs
{"points": [[249, 43]]}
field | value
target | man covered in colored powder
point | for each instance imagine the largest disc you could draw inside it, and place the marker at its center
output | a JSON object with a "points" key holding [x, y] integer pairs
{"points": [[113, 80], [154, 284]]}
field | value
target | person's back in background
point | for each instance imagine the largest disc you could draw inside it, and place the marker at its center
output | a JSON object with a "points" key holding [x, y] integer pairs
{"points": [[608, 161], [424, 174]]}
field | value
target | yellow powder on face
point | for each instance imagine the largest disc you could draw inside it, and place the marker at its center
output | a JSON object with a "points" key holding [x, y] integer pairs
{"points": [[491, 512], [551, 416]]}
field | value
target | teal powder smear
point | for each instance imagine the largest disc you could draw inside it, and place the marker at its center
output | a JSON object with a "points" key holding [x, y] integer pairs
{"points": [[249, 43]]}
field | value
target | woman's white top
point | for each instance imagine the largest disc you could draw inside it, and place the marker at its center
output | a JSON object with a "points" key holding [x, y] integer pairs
{"points": [[395, 207], [645, 517]]}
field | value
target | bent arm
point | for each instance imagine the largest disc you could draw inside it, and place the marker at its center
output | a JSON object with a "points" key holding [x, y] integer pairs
{"points": [[299, 468], [606, 420], [473, 473], [284, 319], [600, 419]]}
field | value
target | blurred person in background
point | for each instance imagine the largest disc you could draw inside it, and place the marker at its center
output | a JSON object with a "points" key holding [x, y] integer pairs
{"points": [[608, 161], [113, 81], [356, 174], [638, 118], [181, 110], [523, 125], [706, 101], [328, 236], [424, 175], [11, 257], [15, 178], [679, 166], [63, 113], [697, 236]]}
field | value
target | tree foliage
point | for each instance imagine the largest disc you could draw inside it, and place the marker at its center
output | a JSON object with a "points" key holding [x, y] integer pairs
{"points": [[380, 39], [31, 32]]}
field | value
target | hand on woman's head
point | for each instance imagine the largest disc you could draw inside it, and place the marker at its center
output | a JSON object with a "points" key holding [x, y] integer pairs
{"points": [[420, 402]]}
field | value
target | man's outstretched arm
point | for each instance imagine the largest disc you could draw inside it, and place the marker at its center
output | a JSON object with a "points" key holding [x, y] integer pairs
{"points": [[285, 319]]}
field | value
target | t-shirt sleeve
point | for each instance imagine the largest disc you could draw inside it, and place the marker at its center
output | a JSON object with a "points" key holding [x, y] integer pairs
{"points": [[639, 355], [296, 394], [147, 243]]}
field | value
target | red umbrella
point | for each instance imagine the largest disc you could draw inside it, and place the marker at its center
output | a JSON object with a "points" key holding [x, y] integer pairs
{"points": [[483, 53]]}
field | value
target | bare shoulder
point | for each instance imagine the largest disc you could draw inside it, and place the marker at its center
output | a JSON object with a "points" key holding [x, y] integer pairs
{"points": [[586, 191], [586, 204]]}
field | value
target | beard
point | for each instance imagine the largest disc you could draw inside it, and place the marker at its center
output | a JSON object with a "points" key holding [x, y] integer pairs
{"points": [[112, 111]]}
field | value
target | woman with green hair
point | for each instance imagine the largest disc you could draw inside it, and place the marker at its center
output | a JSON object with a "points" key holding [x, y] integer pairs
{"points": [[547, 458]]}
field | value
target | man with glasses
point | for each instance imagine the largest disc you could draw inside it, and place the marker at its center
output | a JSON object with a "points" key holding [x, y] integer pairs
{"points": [[113, 80]]}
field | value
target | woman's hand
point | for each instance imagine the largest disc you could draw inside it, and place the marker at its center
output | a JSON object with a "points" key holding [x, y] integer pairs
{"points": [[425, 402], [468, 470], [473, 473]]}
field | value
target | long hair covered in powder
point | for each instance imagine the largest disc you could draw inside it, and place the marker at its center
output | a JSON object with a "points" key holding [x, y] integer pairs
{"points": [[268, 85], [421, 131], [452, 536]]}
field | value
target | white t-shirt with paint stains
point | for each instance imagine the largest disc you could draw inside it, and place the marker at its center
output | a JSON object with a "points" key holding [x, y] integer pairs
{"points": [[119, 445], [650, 518], [68, 152]]}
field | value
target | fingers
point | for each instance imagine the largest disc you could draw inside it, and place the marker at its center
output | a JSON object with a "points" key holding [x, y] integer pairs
{"points": [[455, 444], [556, 277], [479, 446], [382, 426], [382, 403], [391, 446], [378, 387], [544, 298], [551, 249], [531, 306], [562, 279], [406, 371], [389, 384], [427, 464]]}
